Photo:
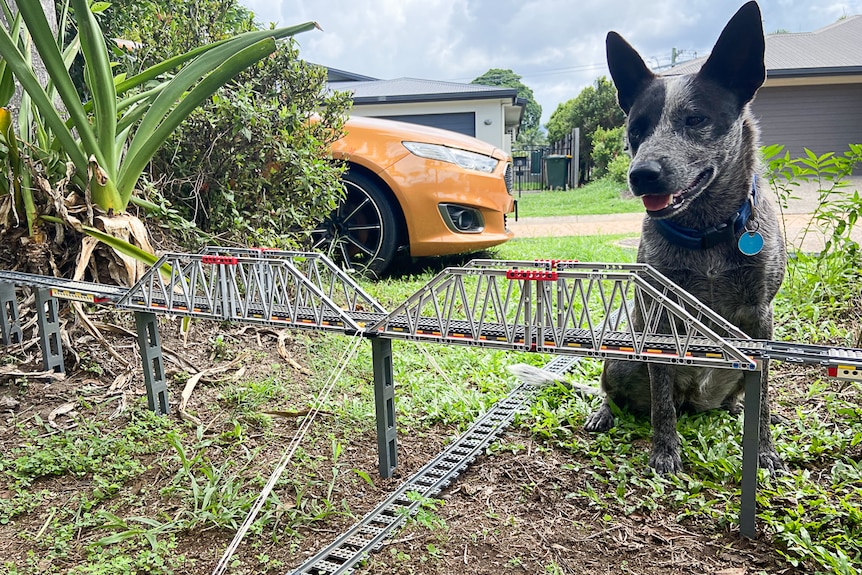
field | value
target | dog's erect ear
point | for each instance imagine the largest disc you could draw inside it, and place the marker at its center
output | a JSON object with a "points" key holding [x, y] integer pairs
{"points": [[631, 76], [736, 61]]}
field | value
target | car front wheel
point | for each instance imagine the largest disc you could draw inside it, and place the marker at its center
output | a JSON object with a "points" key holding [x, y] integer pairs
{"points": [[361, 233]]}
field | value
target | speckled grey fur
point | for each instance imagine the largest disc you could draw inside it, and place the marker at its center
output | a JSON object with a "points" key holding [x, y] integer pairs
{"points": [[696, 133]]}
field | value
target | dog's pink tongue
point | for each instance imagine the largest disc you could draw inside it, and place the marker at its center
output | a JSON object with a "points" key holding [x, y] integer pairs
{"points": [[656, 203]]}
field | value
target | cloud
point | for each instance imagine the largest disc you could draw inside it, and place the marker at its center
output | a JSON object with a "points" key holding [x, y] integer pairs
{"points": [[557, 46]]}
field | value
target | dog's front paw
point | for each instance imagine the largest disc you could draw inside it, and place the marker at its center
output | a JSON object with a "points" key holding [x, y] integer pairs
{"points": [[770, 460], [665, 462], [600, 420], [733, 407]]}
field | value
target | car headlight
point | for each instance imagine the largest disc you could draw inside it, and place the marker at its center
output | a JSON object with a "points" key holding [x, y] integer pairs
{"points": [[463, 158]]}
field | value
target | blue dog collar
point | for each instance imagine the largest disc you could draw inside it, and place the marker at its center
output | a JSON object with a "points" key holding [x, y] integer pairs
{"points": [[704, 239]]}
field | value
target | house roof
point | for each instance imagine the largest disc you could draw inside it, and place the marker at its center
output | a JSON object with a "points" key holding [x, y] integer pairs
{"points": [[368, 90], [336, 75], [402, 90], [833, 50]]}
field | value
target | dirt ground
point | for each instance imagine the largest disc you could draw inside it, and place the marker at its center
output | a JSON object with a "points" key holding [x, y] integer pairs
{"points": [[495, 527], [510, 512]]}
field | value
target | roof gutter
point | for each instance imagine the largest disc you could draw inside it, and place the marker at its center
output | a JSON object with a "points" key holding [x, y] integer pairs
{"points": [[413, 98], [808, 72]]}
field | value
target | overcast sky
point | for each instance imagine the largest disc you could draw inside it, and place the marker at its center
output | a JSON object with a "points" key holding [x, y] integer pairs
{"points": [[557, 46]]}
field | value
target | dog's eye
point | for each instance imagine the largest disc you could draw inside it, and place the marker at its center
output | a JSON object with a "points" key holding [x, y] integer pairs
{"points": [[693, 121]]}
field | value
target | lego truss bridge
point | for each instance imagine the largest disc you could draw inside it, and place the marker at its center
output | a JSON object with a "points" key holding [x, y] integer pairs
{"points": [[569, 309]]}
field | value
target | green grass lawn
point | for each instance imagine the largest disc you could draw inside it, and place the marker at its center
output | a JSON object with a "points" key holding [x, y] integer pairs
{"points": [[599, 197], [582, 248]]}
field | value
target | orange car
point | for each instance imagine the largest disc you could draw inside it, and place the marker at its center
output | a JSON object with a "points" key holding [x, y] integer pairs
{"points": [[409, 187]]}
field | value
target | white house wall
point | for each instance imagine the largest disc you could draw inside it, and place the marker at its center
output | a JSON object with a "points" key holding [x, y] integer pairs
{"points": [[490, 118]]}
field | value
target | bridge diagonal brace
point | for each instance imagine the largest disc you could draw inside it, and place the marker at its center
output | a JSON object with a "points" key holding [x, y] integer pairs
{"points": [[689, 301], [736, 357], [321, 271], [242, 289]]}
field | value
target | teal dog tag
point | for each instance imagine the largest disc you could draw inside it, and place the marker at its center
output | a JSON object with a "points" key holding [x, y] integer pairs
{"points": [[750, 243]]}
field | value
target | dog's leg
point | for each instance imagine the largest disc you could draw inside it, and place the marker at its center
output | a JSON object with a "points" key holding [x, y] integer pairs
{"points": [[768, 456], [602, 419], [626, 383], [664, 458]]}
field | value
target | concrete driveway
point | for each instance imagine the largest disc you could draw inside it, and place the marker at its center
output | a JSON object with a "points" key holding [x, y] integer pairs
{"points": [[797, 218]]}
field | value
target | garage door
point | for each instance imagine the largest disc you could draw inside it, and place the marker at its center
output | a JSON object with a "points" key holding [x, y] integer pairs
{"points": [[462, 122], [820, 118]]}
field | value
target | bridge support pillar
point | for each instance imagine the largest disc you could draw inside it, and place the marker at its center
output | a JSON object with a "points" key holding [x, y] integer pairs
{"points": [[150, 346], [48, 320], [10, 322], [384, 403], [750, 440]]}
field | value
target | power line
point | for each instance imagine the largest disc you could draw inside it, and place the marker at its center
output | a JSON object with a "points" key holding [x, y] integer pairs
{"points": [[547, 72], [676, 57]]}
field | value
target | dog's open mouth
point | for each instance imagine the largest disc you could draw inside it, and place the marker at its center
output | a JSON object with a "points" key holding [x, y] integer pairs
{"points": [[662, 206]]}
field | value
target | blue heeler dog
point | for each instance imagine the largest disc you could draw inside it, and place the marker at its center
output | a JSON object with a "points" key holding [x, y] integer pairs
{"points": [[695, 165]]}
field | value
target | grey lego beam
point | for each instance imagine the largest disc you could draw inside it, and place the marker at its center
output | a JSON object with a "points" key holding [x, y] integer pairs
{"points": [[150, 347], [10, 321], [753, 381], [384, 404], [48, 320]]}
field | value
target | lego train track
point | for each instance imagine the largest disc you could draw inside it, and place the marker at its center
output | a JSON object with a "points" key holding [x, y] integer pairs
{"points": [[369, 534], [67, 289]]}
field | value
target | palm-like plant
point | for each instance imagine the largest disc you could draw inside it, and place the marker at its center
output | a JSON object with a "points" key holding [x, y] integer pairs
{"points": [[109, 140]]}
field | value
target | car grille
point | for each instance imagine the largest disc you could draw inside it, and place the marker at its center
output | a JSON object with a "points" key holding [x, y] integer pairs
{"points": [[509, 177]]}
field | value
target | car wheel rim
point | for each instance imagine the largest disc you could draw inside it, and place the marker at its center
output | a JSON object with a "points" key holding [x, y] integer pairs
{"points": [[353, 233]]}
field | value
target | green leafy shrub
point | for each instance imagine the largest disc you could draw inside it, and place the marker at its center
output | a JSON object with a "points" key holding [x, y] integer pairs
{"points": [[618, 169], [249, 164], [160, 29], [607, 147]]}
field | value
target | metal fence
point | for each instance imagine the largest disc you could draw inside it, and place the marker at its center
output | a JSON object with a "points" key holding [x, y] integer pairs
{"points": [[545, 167]]}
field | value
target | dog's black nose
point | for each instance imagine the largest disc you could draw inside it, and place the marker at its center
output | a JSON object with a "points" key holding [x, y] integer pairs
{"points": [[644, 175]]}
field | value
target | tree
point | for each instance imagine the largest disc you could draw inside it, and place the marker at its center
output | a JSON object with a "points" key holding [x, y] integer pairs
{"points": [[609, 157], [530, 125], [595, 107], [160, 29]]}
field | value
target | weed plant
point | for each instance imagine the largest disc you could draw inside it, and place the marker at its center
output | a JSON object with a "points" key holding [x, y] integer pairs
{"points": [[822, 292]]}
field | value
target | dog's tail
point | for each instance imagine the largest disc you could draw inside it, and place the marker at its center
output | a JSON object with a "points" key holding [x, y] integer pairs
{"points": [[537, 376]]}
